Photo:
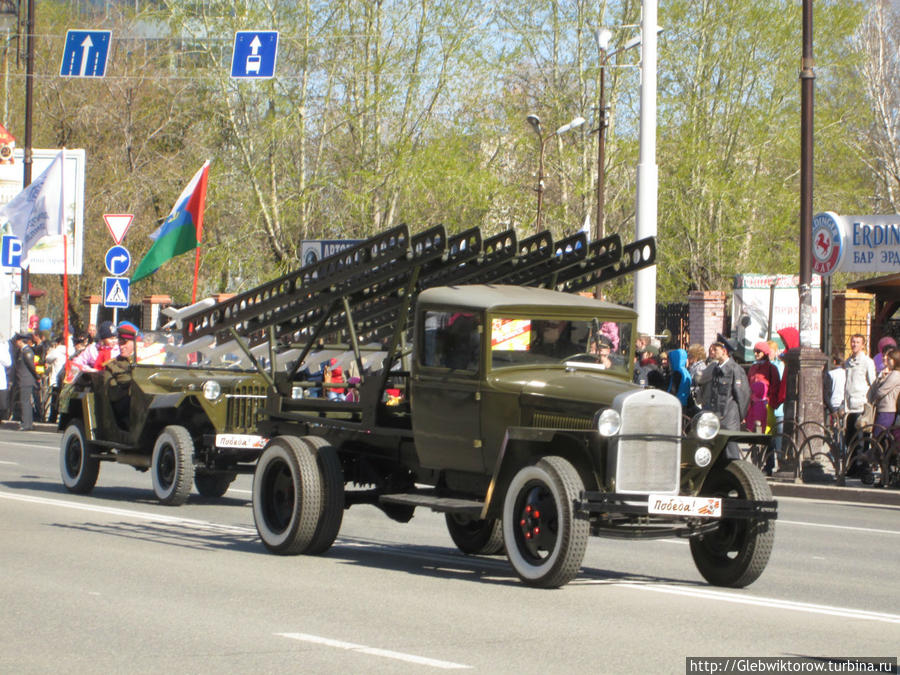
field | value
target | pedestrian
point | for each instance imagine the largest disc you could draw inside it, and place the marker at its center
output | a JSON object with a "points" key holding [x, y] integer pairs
{"points": [[724, 390], [680, 378], [26, 381], [647, 372], [765, 383], [833, 388], [5, 363], [696, 365], [860, 376], [99, 352], [56, 366], [883, 395], [885, 344]]}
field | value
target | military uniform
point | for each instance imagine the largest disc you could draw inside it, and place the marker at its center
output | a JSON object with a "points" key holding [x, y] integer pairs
{"points": [[724, 390], [26, 381], [117, 378]]}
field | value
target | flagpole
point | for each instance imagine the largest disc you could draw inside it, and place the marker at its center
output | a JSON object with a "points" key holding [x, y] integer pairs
{"points": [[29, 101], [196, 272], [65, 232]]}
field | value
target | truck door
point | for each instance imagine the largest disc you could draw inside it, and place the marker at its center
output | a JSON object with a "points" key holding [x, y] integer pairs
{"points": [[446, 390]]}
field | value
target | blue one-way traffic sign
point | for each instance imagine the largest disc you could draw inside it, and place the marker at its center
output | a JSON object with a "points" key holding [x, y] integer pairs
{"points": [[254, 53], [118, 260], [116, 292], [85, 53]]}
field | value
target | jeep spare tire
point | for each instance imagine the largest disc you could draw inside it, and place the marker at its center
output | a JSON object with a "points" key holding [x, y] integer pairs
{"points": [[172, 465]]}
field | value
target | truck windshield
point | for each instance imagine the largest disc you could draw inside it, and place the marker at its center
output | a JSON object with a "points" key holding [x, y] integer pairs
{"points": [[525, 341]]}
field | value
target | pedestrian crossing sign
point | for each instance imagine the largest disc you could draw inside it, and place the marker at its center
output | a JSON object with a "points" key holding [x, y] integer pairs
{"points": [[116, 292]]}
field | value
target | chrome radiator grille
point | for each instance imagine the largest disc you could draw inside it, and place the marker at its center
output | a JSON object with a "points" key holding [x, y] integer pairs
{"points": [[243, 405], [647, 455]]}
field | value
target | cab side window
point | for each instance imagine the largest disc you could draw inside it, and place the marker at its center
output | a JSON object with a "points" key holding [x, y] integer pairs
{"points": [[452, 340]]}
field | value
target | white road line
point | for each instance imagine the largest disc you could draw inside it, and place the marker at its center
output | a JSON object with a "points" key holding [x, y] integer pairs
{"points": [[2, 462], [870, 530], [375, 651], [128, 513], [774, 603]]}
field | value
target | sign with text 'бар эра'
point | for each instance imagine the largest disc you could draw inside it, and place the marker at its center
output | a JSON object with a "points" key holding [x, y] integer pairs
{"points": [[867, 244]]}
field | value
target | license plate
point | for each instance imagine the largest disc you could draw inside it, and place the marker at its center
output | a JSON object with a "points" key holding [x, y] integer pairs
{"points": [[696, 507], [241, 441]]}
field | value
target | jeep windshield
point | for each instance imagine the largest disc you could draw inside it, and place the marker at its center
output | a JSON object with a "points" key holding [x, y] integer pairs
{"points": [[518, 341]]}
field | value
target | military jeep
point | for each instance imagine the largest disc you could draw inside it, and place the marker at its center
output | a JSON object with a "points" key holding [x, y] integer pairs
{"points": [[185, 424]]}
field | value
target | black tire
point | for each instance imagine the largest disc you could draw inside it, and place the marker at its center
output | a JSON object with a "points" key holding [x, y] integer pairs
{"points": [[540, 501], [475, 537], [737, 552], [332, 513], [172, 465], [287, 496], [213, 485], [78, 469]]}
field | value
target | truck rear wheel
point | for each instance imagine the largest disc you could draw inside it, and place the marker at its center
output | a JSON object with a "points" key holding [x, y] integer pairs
{"points": [[78, 469], [545, 540], [172, 466], [475, 537], [213, 485], [332, 476], [287, 496], [737, 552]]}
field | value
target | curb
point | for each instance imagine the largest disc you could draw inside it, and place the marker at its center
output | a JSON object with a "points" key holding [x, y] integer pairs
{"points": [[878, 496]]}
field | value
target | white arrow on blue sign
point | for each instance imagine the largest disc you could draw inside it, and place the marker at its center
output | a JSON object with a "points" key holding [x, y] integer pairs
{"points": [[118, 260], [85, 53], [11, 251], [116, 291], [254, 54]]}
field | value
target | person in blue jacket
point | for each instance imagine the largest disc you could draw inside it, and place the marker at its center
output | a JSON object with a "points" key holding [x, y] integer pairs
{"points": [[680, 382]]}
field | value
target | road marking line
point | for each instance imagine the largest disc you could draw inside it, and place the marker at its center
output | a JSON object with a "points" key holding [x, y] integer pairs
{"points": [[838, 527], [375, 651], [773, 603], [2, 462], [140, 515]]}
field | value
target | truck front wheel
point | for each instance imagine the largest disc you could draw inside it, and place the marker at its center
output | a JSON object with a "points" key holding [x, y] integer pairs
{"points": [[473, 536], [544, 537], [287, 496], [76, 466], [737, 552]]}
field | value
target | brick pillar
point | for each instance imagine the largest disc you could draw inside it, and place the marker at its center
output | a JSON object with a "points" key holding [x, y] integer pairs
{"points": [[850, 314], [150, 310], [707, 316], [91, 306]]}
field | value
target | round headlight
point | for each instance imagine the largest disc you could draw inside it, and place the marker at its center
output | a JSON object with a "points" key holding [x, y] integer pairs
{"points": [[702, 456], [211, 390], [706, 425], [608, 422]]}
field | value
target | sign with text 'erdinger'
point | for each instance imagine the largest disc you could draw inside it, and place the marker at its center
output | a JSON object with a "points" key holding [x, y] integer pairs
{"points": [[867, 244]]}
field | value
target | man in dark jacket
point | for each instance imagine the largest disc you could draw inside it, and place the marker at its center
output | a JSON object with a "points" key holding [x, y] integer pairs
{"points": [[26, 381], [725, 391]]}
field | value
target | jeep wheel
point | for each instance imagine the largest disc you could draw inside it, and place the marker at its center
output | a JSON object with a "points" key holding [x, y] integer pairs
{"points": [[78, 469], [473, 536], [287, 496], [545, 539], [172, 465], [737, 552], [332, 476], [213, 485]]}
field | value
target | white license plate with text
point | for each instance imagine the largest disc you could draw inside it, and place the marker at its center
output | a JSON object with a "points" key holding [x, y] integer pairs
{"points": [[247, 441], [674, 505]]}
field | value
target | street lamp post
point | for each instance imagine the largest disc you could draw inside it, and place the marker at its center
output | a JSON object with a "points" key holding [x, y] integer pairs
{"points": [[535, 123]]}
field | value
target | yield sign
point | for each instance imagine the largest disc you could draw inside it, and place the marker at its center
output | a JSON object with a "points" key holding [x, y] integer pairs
{"points": [[118, 224]]}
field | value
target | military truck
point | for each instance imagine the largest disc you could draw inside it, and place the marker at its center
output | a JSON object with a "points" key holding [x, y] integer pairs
{"points": [[487, 389], [186, 422]]}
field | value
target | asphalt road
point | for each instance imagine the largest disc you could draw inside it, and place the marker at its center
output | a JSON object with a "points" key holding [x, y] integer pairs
{"points": [[114, 582]]}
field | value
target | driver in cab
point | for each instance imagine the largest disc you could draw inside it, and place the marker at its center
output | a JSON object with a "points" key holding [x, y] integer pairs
{"points": [[117, 374]]}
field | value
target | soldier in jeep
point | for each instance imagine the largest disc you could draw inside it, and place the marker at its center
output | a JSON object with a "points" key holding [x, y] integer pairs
{"points": [[117, 375]]}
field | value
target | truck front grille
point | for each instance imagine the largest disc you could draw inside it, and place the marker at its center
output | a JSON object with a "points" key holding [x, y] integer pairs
{"points": [[549, 420], [647, 454], [243, 405]]}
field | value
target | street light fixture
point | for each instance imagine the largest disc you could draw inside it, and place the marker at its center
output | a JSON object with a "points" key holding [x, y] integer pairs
{"points": [[603, 36], [535, 123]]}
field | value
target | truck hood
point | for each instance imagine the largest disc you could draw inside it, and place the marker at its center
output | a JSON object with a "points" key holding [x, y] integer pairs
{"points": [[542, 387]]}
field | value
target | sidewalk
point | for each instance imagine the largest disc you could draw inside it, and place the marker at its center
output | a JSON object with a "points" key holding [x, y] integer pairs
{"points": [[854, 491]]}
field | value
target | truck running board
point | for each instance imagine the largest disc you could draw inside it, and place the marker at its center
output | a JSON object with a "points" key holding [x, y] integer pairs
{"points": [[467, 507]]}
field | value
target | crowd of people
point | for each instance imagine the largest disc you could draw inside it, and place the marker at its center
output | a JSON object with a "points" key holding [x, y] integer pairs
{"points": [[859, 392], [33, 366]]}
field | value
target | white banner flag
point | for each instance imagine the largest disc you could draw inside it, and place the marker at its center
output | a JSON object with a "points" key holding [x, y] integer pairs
{"points": [[38, 209]]}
